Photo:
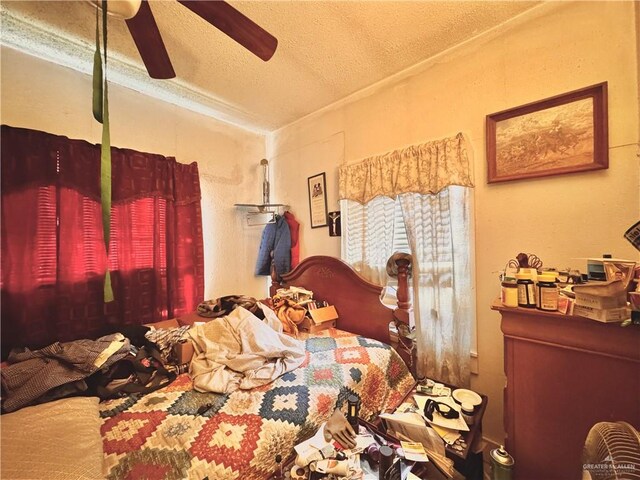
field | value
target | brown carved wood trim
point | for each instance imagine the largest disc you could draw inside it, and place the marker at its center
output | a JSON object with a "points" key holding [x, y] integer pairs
{"points": [[357, 300]]}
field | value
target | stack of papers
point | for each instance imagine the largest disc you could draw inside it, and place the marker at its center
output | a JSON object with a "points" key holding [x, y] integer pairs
{"points": [[410, 427], [448, 435], [414, 451]]}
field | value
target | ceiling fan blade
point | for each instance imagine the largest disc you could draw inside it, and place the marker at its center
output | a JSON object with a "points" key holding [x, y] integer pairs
{"points": [[233, 23], [146, 36]]}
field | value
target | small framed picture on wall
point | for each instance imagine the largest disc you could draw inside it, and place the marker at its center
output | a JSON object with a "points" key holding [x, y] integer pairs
{"points": [[335, 229], [317, 185]]}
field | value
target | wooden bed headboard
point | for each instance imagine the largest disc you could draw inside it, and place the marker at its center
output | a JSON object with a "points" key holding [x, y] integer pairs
{"points": [[357, 300]]}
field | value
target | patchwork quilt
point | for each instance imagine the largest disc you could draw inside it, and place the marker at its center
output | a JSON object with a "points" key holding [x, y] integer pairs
{"points": [[178, 433]]}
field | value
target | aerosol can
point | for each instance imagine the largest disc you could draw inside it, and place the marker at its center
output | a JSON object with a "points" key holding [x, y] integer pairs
{"points": [[501, 464]]}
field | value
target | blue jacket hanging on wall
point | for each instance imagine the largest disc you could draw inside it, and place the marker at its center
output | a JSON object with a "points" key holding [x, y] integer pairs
{"points": [[276, 238]]}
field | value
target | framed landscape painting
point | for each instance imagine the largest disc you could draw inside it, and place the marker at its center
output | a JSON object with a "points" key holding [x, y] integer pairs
{"points": [[562, 134]]}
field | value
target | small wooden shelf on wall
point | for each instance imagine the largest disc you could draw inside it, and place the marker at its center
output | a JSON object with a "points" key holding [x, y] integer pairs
{"points": [[564, 374]]}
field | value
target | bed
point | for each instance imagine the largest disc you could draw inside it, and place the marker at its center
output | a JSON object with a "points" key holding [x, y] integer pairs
{"points": [[177, 432]]}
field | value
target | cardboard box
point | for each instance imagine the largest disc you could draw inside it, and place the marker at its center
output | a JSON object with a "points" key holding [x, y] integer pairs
{"points": [[601, 302], [171, 323], [566, 304], [191, 319], [601, 295], [319, 319], [603, 315], [183, 350]]}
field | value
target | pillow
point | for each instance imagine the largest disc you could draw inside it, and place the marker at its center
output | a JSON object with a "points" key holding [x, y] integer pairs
{"points": [[53, 441]]}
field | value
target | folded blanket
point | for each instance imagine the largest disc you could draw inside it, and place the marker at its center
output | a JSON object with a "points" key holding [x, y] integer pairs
{"points": [[240, 351]]}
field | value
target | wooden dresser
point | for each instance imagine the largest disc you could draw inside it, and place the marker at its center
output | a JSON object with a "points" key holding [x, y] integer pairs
{"points": [[564, 374]]}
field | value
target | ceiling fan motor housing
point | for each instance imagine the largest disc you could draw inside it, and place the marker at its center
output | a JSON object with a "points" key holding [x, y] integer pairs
{"points": [[125, 9]]}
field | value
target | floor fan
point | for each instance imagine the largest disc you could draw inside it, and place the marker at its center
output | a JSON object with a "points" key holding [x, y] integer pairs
{"points": [[611, 452]]}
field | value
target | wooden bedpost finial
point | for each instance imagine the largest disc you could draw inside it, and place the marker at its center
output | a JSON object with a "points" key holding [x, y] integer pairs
{"points": [[399, 265], [403, 264]]}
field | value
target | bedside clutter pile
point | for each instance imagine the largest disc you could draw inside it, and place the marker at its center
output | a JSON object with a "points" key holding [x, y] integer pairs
{"points": [[601, 294], [294, 307], [439, 418], [434, 434], [338, 451]]}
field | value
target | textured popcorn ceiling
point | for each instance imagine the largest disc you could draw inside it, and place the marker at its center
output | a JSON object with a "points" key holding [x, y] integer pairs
{"points": [[326, 50]]}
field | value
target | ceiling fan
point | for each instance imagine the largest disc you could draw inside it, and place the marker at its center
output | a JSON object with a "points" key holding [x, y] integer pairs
{"points": [[146, 35]]}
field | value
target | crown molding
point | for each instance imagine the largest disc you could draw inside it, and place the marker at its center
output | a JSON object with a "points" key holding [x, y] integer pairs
{"points": [[52, 45]]}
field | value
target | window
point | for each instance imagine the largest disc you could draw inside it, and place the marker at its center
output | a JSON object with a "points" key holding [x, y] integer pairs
{"points": [[371, 233], [436, 223], [435, 230], [53, 255]]}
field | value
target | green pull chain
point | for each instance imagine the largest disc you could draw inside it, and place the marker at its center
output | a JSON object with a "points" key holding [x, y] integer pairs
{"points": [[105, 188], [97, 74], [101, 114]]}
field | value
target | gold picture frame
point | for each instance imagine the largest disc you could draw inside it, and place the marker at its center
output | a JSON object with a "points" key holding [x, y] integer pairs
{"points": [[562, 134]]}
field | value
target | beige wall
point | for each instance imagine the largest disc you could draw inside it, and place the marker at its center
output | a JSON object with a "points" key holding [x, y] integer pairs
{"points": [[554, 49], [43, 96]]}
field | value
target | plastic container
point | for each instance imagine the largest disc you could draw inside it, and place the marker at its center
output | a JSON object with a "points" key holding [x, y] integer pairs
{"points": [[467, 412], [526, 290], [547, 292], [509, 292], [386, 460]]}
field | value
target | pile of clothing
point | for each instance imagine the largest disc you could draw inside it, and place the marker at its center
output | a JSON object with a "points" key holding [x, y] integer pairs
{"points": [[240, 351], [130, 361], [288, 305], [58, 370]]}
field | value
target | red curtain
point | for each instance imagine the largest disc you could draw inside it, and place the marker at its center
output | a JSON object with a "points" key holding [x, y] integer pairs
{"points": [[53, 255]]}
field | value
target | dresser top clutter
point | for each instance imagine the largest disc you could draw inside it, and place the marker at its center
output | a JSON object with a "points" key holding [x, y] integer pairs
{"points": [[571, 360], [609, 292]]}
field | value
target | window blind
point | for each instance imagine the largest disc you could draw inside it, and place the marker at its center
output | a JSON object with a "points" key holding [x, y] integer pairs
{"points": [[371, 234]]}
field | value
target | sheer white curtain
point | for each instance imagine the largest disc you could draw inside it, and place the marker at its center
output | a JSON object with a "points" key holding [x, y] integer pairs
{"points": [[431, 182], [438, 230]]}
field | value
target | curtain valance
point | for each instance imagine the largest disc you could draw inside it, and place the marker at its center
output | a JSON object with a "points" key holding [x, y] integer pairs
{"points": [[426, 169], [34, 158]]}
